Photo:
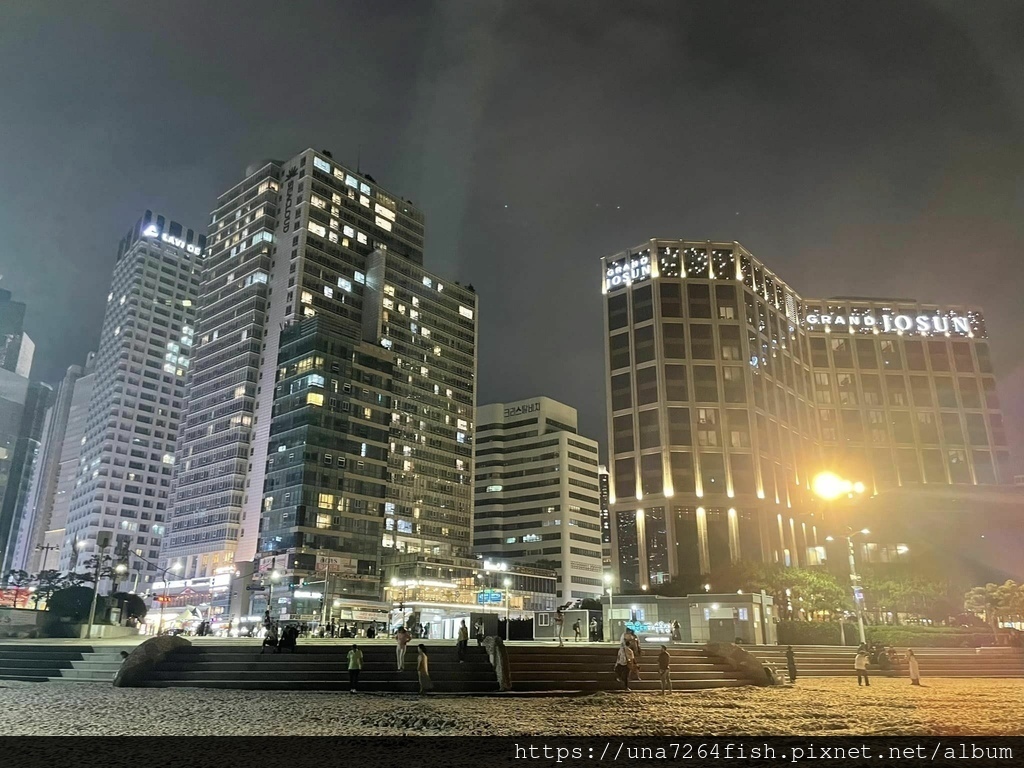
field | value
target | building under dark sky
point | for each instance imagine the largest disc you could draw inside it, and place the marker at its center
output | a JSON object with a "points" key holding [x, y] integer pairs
{"points": [[865, 153]]}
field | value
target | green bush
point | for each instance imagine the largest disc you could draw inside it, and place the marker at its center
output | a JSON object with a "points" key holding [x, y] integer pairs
{"points": [[929, 637], [814, 633], [71, 603]]}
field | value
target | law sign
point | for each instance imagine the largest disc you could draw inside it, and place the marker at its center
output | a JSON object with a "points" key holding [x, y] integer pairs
{"points": [[489, 596]]}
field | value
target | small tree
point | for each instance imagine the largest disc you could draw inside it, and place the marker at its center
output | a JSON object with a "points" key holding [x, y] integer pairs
{"points": [[71, 603], [47, 583], [996, 601]]}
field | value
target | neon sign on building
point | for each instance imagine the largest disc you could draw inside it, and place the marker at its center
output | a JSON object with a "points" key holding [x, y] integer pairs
{"points": [[925, 325], [627, 271], [177, 242]]}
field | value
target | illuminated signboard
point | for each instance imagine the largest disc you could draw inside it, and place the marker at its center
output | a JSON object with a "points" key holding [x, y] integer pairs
{"points": [[519, 410], [925, 325], [626, 271], [177, 242]]}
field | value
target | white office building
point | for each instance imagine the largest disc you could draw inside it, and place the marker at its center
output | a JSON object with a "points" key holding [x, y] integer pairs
{"points": [[537, 493]]}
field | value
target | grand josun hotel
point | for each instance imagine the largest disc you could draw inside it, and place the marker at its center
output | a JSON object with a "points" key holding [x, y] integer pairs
{"points": [[729, 393]]}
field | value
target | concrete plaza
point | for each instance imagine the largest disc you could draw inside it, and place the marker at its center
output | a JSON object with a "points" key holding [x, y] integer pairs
{"points": [[823, 706]]}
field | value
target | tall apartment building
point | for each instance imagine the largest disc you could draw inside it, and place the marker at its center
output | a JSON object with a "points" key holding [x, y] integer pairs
{"points": [[37, 512], [538, 494], [127, 455], [22, 414], [306, 239], [728, 393]]}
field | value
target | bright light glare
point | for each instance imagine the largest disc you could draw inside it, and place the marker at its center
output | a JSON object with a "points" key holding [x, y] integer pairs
{"points": [[858, 487], [828, 486], [864, 530], [607, 578], [829, 538]]}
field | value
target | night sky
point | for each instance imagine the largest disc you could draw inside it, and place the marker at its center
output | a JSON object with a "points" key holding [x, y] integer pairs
{"points": [[856, 148]]}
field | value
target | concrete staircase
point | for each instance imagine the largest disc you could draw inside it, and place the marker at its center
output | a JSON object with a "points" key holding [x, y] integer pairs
{"points": [[591, 668], [45, 663], [833, 661], [320, 668]]}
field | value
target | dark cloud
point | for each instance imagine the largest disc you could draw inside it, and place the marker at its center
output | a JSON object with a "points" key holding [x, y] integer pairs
{"points": [[870, 148]]}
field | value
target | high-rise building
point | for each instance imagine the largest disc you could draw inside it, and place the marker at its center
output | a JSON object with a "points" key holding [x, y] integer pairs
{"points": [[306, 239], [37, 512], [16, 348], [729, 392], [127, 456], [22, 414], [67, 470], [538, 493]]}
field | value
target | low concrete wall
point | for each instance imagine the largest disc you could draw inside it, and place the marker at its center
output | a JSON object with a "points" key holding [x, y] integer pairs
{"points": [[135, 670], [497, 654], [21, 623], [107, 631]]}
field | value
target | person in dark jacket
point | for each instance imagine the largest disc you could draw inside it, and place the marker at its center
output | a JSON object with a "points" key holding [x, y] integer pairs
{"points": [[791, 663], [664, 660]]}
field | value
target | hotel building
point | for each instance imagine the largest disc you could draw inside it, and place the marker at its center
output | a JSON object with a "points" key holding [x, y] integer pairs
{"points": [[729, 392]]}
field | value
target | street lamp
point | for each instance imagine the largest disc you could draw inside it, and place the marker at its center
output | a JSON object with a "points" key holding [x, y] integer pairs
{"points": [[274, 576], [858, 598], [611, 603], [174, 568], [508, 598]]}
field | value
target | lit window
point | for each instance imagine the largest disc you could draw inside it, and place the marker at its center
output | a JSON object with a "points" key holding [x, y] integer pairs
{"points": [[328, 292], [349, 232], [323, 521], [306, 297], [317, 202], [389, 304], [365, 201], [168, 458], [314, 398], [387, 213], [323, 165], [334, 224], [317, 229], [389, 290], [466, 312], [240, 391], [344, 284], [308, 311], [352, 182], [361, 238], [383, 223], [360, 277], [365, 188], [325, 501]]}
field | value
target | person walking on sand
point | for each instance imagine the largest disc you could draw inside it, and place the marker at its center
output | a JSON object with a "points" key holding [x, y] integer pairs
{"points": [[791, 663], [914, 667], [463, 642], [402, 638], [624, 662], [559, 625], [423, 669], [664, 660], [860, 666], [355, 666]]}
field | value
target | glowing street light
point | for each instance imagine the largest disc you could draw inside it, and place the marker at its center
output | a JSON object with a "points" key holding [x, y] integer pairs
{"points": [[508, 598]]}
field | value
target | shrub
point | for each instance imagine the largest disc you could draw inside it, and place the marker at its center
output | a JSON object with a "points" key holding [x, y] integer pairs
{"points": [[814, 633], [929, 637]]}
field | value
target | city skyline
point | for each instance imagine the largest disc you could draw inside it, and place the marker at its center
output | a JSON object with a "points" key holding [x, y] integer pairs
{"points": [[864, 183]]}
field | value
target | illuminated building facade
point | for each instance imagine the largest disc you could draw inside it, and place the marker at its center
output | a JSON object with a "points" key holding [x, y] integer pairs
{"points": [[538, 493], [126, 460], [728, 392]]}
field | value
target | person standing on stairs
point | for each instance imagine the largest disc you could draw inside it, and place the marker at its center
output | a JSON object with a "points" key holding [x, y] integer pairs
{"points": [[423, 669], [462, 643], [664, 660], [624, 662], [791, 664], [402, 638], [355, 666]]}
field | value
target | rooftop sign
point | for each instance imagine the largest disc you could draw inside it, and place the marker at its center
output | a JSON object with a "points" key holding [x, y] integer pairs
{"points": [[924, 325], [177, 242], [626, 271]]}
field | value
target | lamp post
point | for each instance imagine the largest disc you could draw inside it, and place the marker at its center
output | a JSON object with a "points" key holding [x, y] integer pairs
{"points": [[160, 625], [858, 598], [274, 576], [508, 599], [46, 549], [98, 565]]}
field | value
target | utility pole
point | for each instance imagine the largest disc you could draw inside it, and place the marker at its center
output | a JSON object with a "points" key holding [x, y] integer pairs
{"points": [[46, 550], [101, 547]]}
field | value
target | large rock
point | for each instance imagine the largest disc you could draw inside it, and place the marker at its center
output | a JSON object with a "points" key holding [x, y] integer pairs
{"points": [[497, 653], [136, 668], [745, 663]]}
